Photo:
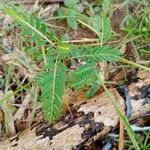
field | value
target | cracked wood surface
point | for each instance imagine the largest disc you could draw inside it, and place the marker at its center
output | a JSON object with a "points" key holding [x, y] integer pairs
{"points": [[70, 133]]}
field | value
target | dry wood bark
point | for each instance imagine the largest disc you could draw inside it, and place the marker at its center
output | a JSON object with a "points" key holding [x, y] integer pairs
{"points": [[95, 118], [73, 135]]}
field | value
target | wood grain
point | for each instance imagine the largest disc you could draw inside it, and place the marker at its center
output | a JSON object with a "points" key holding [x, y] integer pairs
{"points": [[70, 134]]}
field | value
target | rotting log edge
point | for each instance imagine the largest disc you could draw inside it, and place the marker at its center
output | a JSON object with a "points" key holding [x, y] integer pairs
{"points": [[97, 110]]}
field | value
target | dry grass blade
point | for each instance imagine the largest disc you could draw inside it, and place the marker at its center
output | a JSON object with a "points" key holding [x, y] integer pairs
{"points": [[20, 112], [8, 114], [121, 136]]}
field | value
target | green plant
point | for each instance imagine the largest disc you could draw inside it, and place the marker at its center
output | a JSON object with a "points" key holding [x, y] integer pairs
{"points": [[54, 76], [138, 11], [96, 20], [143, 138], [44, 45]]}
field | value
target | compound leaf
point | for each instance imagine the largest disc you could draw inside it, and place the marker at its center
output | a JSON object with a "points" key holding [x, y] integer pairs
{"points": [[82, 76], [52, 83], [97, 54], [71, 19], [106, 28]]}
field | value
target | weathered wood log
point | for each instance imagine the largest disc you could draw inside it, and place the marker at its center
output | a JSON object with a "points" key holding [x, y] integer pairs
{"points": [[95, 118]]}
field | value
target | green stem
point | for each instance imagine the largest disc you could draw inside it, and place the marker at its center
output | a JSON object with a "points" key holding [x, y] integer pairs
{"points": [[88, 26], [9, 10], [123, 60], [81, 40], [122, 116]]}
